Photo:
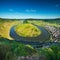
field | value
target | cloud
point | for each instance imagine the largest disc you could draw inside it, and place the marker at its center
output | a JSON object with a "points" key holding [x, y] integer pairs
{"points": [[31, 10], [11, 10]]}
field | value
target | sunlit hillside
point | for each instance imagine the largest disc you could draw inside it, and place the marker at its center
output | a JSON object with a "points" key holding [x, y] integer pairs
{"points": [[5, 26]]}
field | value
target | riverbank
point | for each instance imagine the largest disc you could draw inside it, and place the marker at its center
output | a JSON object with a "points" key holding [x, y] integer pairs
{"points": [[31, 40]]}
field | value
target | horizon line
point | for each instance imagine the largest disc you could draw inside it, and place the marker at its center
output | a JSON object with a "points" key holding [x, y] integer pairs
{"points": [[29, 18]]}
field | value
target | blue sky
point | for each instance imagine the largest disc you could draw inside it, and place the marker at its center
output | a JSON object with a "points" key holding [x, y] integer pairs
{"points": [[30, 9]]}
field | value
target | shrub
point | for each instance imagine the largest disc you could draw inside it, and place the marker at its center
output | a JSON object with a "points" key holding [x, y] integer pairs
{"points": [[6, 53], [51, 53]]}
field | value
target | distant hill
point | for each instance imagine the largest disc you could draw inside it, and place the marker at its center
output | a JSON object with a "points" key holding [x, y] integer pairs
{"points": [[29, 19]]}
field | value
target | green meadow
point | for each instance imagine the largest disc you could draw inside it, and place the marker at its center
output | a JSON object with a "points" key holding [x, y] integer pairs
{"points": [[28, 30]]}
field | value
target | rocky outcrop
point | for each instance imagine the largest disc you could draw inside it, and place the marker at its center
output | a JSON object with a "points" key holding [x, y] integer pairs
{"points": [[35, 57], [54, 31]]}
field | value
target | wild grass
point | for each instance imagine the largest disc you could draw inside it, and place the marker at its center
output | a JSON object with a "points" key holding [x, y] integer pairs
{"points": [[5, 27], [55, 23], [10, 49], [27, 30]]}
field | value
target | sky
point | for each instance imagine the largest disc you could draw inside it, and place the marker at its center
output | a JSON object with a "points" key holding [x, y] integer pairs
{"points": [[21, 9]]}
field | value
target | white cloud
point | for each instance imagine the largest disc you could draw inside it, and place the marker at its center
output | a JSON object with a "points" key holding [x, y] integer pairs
{"points": [[30, 10]]}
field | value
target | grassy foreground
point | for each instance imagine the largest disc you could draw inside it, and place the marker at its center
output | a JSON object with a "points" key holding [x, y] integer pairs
{"points": [[10, 50], [27, 30]]}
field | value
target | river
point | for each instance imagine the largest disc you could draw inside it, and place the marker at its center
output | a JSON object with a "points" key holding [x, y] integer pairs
{"points": [[31, 40]]}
